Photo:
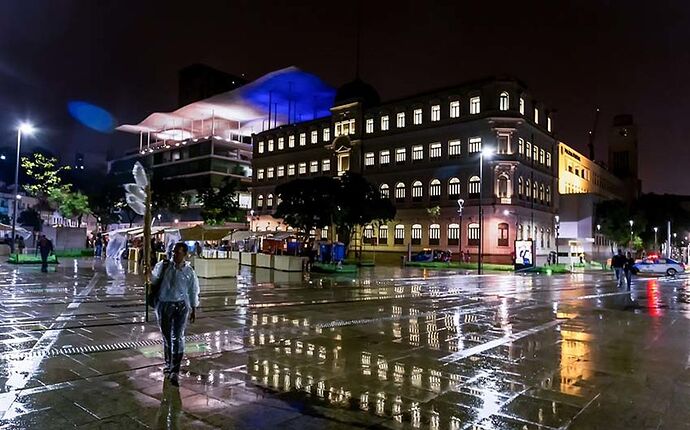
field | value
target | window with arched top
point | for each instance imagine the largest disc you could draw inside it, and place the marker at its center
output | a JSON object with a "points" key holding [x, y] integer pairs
{"points": [[527, 189], [368, 234], [473, 187], [383, 234], [503, 185], [385, 191], [416, 234], [454, 188], [399, 234], [269, 201], [541, 193], [400, 192], [260, 201], [473, 234], [435, 189], [434, 234], [503, 101], [521, 187], [503, 234], [534, 190], [548, 195], [453, 234], [417, 191]]}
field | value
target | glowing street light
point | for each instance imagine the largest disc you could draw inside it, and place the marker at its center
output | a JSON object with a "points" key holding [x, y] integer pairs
{"points": [[656, 229], [27, 129], [485, 152]]}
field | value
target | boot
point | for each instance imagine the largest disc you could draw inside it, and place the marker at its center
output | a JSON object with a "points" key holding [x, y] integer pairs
{"points": [[168, 364]]}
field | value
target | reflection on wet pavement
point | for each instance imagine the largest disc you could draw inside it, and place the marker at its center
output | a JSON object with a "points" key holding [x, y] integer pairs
{"points": [[392, 348]]}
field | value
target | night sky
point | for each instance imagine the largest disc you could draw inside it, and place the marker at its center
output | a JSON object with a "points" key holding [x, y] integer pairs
{"points": [[624, 56]]}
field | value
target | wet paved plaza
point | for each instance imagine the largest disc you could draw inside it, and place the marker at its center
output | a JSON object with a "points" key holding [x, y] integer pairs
{"points": [[390, 349]]}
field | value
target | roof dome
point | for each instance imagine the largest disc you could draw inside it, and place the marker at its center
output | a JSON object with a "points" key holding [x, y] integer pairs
{"points": [[357, 90]]}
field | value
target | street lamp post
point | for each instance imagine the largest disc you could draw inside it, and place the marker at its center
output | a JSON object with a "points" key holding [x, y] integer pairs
{"points": [[656, 247], [557, 227], [631, 233], [483, 153], [461, 203], [28, 129], [598, 239]]}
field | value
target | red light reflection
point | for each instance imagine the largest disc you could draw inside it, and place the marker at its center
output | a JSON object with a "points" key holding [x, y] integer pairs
{"points": [[653, 298]]}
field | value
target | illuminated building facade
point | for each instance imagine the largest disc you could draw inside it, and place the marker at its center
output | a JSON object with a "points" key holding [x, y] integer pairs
{"points": [[210, 140], [423, 152]]}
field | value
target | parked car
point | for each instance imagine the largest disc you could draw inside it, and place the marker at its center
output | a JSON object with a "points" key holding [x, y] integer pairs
{"points": [[658, 265], [429, 255]]}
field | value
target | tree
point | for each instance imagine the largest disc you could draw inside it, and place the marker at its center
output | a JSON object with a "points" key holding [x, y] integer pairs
{"points": [[44, 175], [219, 205], [69, 203], [307, 204], [5, 219], [30, 218], [358, 202], [348, 202], [614, 218]]}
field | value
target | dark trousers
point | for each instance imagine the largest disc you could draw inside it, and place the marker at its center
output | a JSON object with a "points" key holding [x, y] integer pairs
{"points": [[628, 278], [172, 319], [44, 262]]}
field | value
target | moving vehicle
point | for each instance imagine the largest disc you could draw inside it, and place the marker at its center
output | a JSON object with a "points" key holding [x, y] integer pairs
{"points": [[429, 255], [658, 265]]}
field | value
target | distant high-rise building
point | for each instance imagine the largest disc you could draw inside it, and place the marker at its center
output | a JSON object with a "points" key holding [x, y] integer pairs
{"points": [[623, 154], [199, 81]]}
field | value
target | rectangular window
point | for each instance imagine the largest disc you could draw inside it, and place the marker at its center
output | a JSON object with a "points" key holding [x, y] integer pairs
{"points": [[259, 174], [314, 136], [270, 145], [400, 120], [302, 168], [455, 109], [269, 172], [261, 147], [521, 146], [475, 145], [522, 106], [400, 154], [280, 172], [291, 141], [399, 234], [384, 123], [536, 115], [302, 139], [475, 105], [503, 234], [338, 129], [326, 134], [370, 125], [435, 113], [417, 153], [473, 234], [548, 159], [548, 123], [417, 117], [325, 165], [324, 233], [384, 157], [454, 147], [435, 150], [535, 152], [503, 143], [542, 157], [291, 170], [313, 166], [281, 143], [369, 159]]}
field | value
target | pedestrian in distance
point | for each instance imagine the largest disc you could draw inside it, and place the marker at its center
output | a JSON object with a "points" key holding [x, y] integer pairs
{"points": [[45, 248], [20, 244], [618, 265], [628, 269], [175, 302], [98, 246]]}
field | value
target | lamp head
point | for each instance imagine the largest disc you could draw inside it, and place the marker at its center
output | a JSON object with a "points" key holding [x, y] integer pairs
{"points": [[557, 218], [26, 128], [598, 227], [656, 229], [487, 152], [631, 223], [506, 212]]}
